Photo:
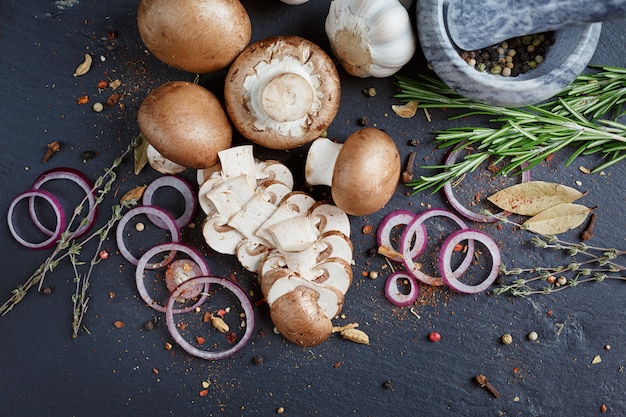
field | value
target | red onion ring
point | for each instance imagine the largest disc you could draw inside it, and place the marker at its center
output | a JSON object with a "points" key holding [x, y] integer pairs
{"points": [[445, 255], [147, 210], [79, 179], [405, 240], [58, 212], [245, 304], [183, 187], [389, 222], [172, 247], [393, 294], [456, 204]]}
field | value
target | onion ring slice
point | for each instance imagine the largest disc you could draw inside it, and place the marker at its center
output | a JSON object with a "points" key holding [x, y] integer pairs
{"points": [[393, 293], [183, 187], [147, 210], [445, 255], [79, 179], [407, 260], [58, 212], [456, 204], [189, 348], [172, 247], [383, 235]]}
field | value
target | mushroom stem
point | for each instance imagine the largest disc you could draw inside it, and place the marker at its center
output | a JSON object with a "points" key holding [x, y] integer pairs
{"points": [[321, 160]]}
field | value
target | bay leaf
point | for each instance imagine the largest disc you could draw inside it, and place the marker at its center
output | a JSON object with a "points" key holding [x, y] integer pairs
{"points": [[558, 219], [141, 154], [533, 197]]}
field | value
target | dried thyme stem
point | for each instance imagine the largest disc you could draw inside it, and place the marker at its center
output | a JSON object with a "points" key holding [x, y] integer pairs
{"points": [[524, 137], [599, 265], [67, 246]]}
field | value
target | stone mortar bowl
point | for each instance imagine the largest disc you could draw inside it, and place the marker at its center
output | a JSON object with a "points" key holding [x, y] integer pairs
{"points": [[564, 60]]}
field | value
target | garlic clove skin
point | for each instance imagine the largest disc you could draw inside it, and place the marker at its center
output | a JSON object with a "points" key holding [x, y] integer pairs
{"points": [[370, 38]]}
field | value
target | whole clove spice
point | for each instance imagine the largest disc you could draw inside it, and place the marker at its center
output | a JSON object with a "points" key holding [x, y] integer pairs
{"points": [[53, 147]]}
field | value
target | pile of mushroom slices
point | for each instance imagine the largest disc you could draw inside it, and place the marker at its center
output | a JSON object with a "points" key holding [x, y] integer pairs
{"points": [[299, 247]]}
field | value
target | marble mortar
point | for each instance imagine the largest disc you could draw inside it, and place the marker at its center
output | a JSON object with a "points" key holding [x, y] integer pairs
{"points": [[567, 58]]}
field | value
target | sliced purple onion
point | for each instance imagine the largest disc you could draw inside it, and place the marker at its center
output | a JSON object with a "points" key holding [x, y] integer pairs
{"points": [[445, 256], [58, 212], [456, 204], [393, 293], [174, 248], [183, 187], [147, 210], [188, 347], [405, 246], [399, 218], [79, 179]]}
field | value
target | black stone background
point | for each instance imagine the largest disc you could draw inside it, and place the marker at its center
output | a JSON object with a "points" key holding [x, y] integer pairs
{"points": [[109, 371]]}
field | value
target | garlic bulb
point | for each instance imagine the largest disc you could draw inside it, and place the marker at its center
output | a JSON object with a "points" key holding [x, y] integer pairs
{"points": [[370, 37]]}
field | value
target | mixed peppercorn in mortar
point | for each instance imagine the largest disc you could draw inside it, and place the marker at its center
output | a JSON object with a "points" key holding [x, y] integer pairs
{"points": [[511, 57]]}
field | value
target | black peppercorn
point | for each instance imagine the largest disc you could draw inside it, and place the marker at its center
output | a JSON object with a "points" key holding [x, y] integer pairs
{"points": [[387, 385], [46, 290], [257, 360], [149, 325]]}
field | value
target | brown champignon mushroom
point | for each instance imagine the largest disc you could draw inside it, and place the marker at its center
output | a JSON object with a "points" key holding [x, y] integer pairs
{"points": [[282, 92], [194, 35], [297, 316], [185, 123], [363, 172]]}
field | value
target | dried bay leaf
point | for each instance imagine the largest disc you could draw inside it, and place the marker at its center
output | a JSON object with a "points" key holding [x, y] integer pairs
{"points": [[533, 197], [141, 154], [558, 219]]}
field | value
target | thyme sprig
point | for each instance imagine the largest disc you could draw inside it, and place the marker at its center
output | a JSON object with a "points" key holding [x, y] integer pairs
{"points": [[522, 138], [69, 247], [598, 264]]}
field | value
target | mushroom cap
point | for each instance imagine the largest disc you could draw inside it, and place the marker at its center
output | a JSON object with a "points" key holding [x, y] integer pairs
{"points": [[194, 35], [366, 172], [282, 92], [185, 123], [298, 317]]}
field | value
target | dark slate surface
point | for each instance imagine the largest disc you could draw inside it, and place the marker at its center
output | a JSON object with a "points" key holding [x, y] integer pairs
{"points": [[110, 371]]}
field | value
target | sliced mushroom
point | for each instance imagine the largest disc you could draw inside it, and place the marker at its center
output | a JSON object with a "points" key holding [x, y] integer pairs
{"points": [[221, 237], [294, 204], [363, 172], [228, 197], [329, 217], [294, 234], [274, 170], [335, 245], [274, 191], [251, 253], [282, 92], [335, 273], [251, 216], [330, 299]]}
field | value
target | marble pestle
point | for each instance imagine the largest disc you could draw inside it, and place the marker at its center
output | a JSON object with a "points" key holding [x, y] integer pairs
{"points": [[475, 24]]}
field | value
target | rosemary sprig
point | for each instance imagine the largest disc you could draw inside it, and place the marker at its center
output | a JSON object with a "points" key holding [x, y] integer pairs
{"points": [[599, 264], [524, 137], [68, 246]]}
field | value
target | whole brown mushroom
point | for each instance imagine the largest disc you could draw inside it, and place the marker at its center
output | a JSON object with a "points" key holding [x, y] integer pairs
{"points": [[363, 172], [194, 35], [282, 92], [185, 123]]}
